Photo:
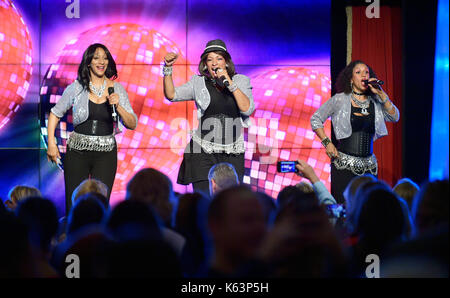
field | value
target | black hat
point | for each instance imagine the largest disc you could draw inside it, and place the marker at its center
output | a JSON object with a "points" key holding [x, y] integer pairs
{"points": [[215, 45]]}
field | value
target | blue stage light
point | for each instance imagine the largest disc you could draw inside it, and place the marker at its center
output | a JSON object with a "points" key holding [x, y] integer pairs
{"points": [[440, 125]]}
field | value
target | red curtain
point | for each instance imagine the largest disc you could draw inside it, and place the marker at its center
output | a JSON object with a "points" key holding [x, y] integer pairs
{"points": [[378, 42]]}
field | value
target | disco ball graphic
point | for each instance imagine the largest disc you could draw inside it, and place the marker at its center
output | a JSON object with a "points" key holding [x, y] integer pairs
{"points": [[285, 100], [138, 52], [15, 61]]}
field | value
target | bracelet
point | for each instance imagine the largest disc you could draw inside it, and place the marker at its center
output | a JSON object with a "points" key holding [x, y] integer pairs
{"points": [[167, 70], [325, 142], [233, 87], [384, 101]]}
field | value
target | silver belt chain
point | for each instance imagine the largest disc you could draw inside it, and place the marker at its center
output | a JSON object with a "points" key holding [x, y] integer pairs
{"points": [[358, 165], [79, 141], [233, 148]]}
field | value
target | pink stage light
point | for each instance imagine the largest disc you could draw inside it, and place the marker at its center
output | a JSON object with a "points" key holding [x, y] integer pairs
{"points": [[285, 100], [15, 61], [138, 52]]}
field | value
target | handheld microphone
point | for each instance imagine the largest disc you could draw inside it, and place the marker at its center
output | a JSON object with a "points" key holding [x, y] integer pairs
{"points": [[223, 79], [374, 83], [114, 114]]}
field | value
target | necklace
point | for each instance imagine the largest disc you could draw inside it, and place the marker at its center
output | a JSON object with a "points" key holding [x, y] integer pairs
{"points": [[362, 104], [98, 91], [354, 92]]}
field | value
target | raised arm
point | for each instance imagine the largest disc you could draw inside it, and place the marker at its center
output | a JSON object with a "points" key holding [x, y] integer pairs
{"points": [[169, 88]]}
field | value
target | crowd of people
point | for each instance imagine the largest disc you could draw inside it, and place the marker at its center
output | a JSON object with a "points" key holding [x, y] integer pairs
{"points": [[230, 232]]}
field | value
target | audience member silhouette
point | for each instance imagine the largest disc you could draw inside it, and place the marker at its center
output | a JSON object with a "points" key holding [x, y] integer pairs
{"points": [[431, 206], [407, 190], [155, 189], [237, 225], [20, 192], [427, 254], [222, 176], [379, 222], [132, 219], [302, 242], [16, 258], [92, 186], [40, 217], [191, 222]]}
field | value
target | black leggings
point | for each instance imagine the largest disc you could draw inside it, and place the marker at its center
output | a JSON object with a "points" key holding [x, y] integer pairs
{"points": [[81, 165], [339, 182]]}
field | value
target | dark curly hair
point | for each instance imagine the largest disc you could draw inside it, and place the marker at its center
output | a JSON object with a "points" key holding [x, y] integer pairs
{"points": [[231, 69], [345, 76], [84, 73]]}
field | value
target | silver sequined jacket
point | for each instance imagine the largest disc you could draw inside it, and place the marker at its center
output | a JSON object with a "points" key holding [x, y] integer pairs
{"points": [[195, 89], [339, 108], [74, 96]]}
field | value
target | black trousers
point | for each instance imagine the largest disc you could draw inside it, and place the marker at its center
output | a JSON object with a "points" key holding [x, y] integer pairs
{"points": [[81, 165], [339, 182]]}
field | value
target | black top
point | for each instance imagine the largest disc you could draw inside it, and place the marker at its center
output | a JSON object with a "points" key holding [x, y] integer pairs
{"points": [[221, 122], [99, 122], [363, 123], [360, 142]]}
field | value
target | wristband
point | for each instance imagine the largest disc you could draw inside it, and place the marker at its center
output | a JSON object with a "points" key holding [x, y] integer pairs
{"points": [[384, 101], [233, 87], [167, 70], [325, 142]]}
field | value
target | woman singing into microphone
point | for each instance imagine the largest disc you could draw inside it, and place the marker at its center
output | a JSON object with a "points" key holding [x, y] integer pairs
{"points": [[358, 115], [91, 148], [224, 103]]}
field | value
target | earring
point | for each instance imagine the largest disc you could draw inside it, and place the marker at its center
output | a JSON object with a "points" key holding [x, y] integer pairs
{"points": [[205, 68], [226, 65]]}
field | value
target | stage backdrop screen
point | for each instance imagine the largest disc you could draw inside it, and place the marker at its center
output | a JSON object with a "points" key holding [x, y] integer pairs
{"points": [[283, 46]]}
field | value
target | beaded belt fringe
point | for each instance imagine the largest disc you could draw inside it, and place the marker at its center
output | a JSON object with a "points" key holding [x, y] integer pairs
{"points": [[79, 141], [234, 148], [358, 165]]}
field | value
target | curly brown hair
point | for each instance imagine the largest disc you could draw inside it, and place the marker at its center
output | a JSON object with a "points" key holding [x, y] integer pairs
{"points": [[345, 76]]}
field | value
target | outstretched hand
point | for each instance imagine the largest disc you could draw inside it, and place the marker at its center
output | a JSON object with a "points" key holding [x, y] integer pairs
{"points": [[305, 170], [53, 153]]}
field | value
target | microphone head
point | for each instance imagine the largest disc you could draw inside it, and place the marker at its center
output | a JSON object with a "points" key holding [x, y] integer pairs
{"points": [[376, 82], [110, 90]]}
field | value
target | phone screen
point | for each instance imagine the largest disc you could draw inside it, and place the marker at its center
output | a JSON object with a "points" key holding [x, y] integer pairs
{"points": [[287, 167], [336, 210]]}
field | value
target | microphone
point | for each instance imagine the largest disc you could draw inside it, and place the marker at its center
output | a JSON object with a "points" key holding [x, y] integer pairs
{"points": [[374, 83], [114, 114], [223, 79]]}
